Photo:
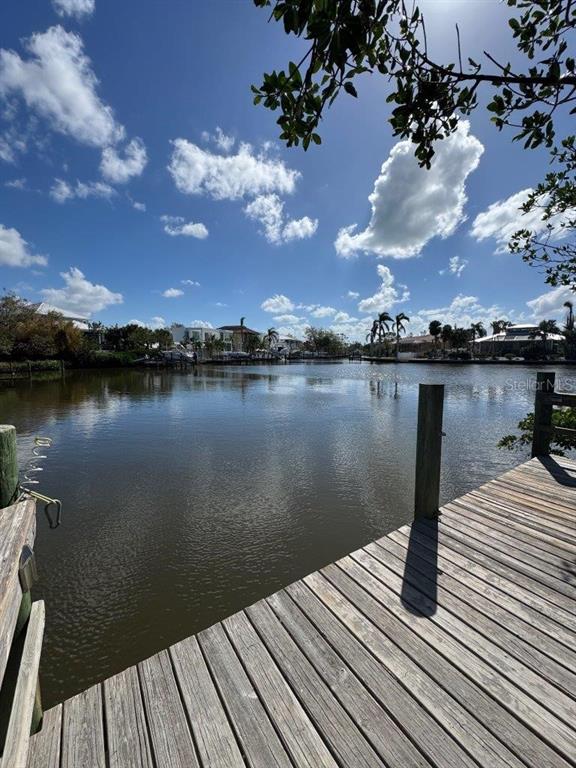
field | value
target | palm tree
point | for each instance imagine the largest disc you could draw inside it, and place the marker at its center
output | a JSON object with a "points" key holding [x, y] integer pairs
{"points": [[383, 322], [271, 337], [476, 329], [447, 333], [545, 328], [569, 324], [398, 327], [569, 332], [242, 334], [435, 330]]}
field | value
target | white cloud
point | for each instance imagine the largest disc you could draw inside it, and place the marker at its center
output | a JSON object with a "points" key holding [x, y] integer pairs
{"points": [[353, 295], [323, 312], [62, 191], [139, 206], [154, 323], [550, 304], [197, 171], [269, 211], [411, 205], [172, 293], [462, 311], [201, 324], [386, 296], [277, 304], [344, 317], [57, 82], [502, 219], [289, 319], [193, 283], [76, 8], [176, 225], [119, 170], [16, 184], [222, 140], [456, 266], [12, 144], [79, 295], [15, 251]]}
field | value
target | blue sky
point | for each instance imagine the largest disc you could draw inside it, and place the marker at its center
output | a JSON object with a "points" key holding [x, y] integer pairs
{"points": [[138, 181]]}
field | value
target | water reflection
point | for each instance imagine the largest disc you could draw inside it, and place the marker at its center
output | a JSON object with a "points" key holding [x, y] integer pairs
{"points": [[188, 495]]}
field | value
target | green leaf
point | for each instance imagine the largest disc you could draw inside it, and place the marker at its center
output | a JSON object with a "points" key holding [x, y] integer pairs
{"points": [[349, 88]]}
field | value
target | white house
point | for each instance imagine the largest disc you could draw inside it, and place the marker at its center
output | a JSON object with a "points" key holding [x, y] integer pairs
{"points": [[79, 322], [516, 338], [199, 335]]}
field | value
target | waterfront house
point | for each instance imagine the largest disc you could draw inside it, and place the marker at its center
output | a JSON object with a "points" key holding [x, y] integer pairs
{"points": [[43, 308], [198, 335], [288, 345], [240, 335], [516, 339], [416, 346]]}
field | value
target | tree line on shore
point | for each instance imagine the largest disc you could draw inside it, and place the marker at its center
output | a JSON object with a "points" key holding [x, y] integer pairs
{"points": [[387, 332], [26, 334]]}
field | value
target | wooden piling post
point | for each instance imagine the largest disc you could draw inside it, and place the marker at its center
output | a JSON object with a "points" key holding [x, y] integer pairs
{"points": [[542, 434], [8, 465], [428, 450]]}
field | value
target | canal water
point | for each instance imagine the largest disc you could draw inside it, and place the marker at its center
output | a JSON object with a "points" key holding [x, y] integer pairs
{"points": [[190, 495]]}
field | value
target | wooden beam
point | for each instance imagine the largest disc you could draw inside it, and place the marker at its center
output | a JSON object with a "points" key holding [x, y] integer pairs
{"points": [[19, 725], [8, 465], [428, 450], [543, 407]]}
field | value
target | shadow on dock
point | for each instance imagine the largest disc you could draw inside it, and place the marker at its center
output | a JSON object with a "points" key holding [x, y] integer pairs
{"points": [[558, 472], [420, 580]]}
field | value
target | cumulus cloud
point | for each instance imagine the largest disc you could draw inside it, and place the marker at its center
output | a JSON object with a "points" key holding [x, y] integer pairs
{"points": [[79, 295], [201, 324], [268, 210], [353, 295], [176, 225], [386, 296], [344, 317], [456, 266], [222, 140], [462, 311], [323, 311], [120, 169], [289, 319], [192, 283], [77, 8], [139, 206], [154, 323], [247, 173], [411, 205], [551, 304], [277, 304], [172, 293], [502, 219], [58, 83], [62, 191], [15, 251]]}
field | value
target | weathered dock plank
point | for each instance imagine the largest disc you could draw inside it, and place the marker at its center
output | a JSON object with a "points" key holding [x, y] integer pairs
{"points": [[447, 643]]}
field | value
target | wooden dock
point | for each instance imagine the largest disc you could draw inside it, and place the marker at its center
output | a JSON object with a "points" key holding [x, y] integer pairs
{"points": [[448, 643]]}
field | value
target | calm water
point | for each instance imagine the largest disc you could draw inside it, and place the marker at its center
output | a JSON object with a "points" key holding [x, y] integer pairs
{"points": [[189, 496]]}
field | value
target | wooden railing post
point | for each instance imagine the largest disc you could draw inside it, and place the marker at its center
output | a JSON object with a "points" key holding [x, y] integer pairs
{"points": [[545, 381], [428, 450], [8, 466]]}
